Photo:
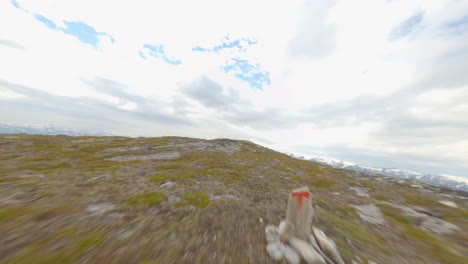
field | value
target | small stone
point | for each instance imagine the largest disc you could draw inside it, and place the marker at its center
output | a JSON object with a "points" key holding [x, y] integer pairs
{"points": [[449, 203], [272, 235], [126, 234], [370, 213], [99, 209], [360, 191], [285, 231], [291, 256], [308, 253], [224, 197], [275, 250], [168, 185], [174, 199], [260, 220], [438, 226], [327, 246]]}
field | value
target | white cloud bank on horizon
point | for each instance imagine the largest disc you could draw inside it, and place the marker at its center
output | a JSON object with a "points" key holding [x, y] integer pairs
{"points": [[381, 83]]}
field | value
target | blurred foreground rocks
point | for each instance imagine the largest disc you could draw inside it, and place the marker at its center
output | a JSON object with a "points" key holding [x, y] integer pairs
{"points": [[297, 238]]}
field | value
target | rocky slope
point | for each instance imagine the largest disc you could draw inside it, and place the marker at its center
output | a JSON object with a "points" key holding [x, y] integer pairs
{"points": [[182, 200]]}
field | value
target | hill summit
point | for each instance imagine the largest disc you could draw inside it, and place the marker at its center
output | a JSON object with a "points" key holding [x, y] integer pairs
{"points": [[183, 200]]}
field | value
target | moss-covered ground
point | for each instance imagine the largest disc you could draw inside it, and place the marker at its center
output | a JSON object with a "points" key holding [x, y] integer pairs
{"points": [[51, 185]]}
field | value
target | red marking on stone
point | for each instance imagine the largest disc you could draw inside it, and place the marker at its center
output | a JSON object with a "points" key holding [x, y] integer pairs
{"points": [[300, 195]]}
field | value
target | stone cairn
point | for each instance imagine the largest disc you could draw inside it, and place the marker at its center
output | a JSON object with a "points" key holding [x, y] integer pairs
{"points": [[297, 238]]}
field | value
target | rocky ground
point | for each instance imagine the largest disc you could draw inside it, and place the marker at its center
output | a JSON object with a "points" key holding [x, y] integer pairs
{"points": [[181, 200]]}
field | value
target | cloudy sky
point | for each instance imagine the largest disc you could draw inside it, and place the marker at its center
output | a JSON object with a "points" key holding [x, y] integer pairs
{"points": [[381, 83]]}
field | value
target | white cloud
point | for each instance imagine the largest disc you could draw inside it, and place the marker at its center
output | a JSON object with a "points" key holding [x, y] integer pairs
{"points": [[337, 76]]}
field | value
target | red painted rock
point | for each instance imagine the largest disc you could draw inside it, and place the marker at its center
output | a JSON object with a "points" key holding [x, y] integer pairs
{"points": [[300, 212]]}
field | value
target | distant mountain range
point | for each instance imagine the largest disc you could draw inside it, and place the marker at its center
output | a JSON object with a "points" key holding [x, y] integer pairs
{"points": [[45, 130], [454, 182]]}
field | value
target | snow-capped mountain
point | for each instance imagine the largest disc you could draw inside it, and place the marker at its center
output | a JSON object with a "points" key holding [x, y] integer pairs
{"points": [[45, 130], [454, 182]]}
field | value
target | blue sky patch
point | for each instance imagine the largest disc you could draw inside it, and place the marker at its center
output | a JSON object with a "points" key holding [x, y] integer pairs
{"points": [[84, 32], [406, 27], [238, 44], [198, 48], [47, 22], [15, 4], [252, 74], [157, 51]]}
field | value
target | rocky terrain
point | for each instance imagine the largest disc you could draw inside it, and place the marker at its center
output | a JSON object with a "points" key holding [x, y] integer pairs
{"points": [[181, 200]]}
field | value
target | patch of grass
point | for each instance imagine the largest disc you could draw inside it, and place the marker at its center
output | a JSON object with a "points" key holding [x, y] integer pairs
{"points": [[320, 200], [348, 225], [171, 166], [27, 184], [281, 168], [426, 241], [347, 209], [5, 180], [145, 199], [421, 200], [74, 243], [367, 184], [158, 177], [297, 178], [322, 183], [199, 199], [12, 213], [149, 262], [380, 197]]}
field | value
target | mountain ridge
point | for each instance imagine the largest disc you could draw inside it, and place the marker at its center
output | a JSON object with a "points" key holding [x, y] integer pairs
{"points": [[451, 181]]}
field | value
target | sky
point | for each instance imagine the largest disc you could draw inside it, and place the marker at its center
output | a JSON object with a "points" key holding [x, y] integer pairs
{"points": [[379, 83]]}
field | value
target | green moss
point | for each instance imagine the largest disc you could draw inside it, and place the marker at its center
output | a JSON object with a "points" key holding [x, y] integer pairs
{"points": [[172, 166], [12, 213], [367, 184], [428, 243], [75, 243], [199, 199], [5, 180], [322, 183], [347, 209], [149, 262], [280, 168], [421, 200], [145, 199], [27, 184], [347, 224], [158, 177], [297, 178], [380, 198]]}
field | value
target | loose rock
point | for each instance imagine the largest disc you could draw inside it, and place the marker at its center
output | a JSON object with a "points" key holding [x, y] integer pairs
{"points": [[360, 191], [308, 253], [168, 185], [272, 234], [99, 209], [285, 231], [370, 213], [327, 245], [291, 256], [275, 250], [449, 203], [174, 199]]}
